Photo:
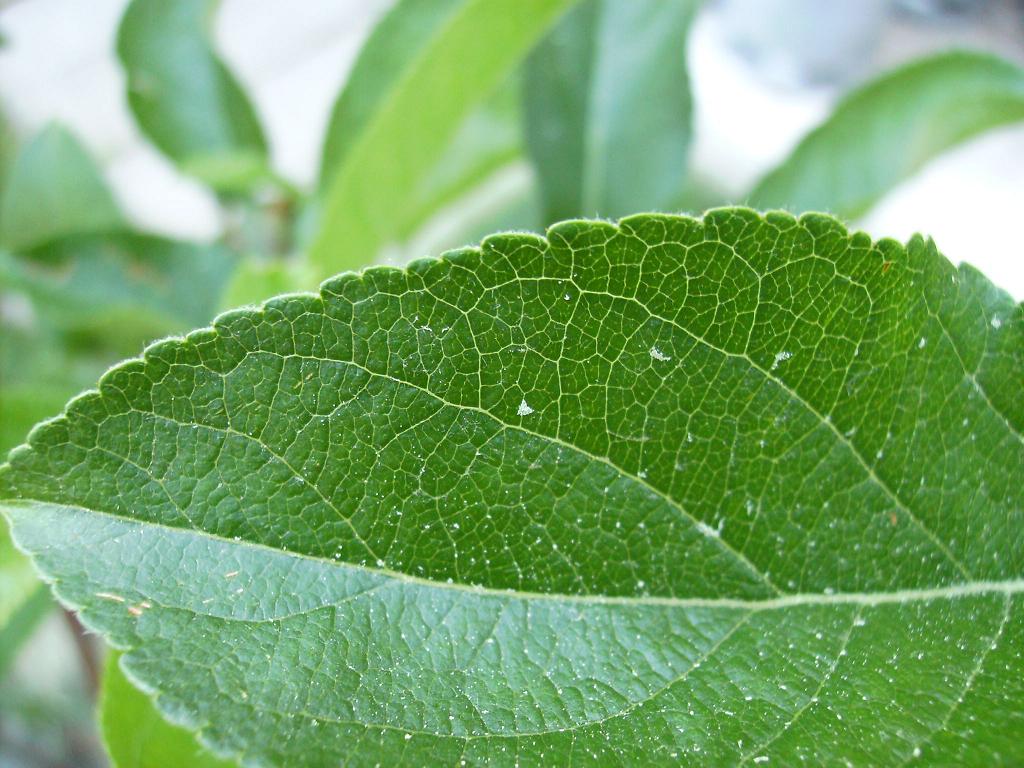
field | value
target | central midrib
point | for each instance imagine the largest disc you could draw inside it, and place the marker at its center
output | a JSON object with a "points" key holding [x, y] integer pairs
{"points": [[921, 594]]}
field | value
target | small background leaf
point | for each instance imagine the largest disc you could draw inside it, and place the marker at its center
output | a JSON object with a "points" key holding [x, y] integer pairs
{"points": [[183, 96], [390, 53], [54, 189], [607, 108], [885, 131], [128, 287], [380, 176], [137, 736], [24, 601]]}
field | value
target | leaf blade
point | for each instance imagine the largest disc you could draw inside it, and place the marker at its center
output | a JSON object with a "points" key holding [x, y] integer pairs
{"points": [[888, 129], [55, 189], [380, 176], [272, 454], [183, 96], [608, 109]]}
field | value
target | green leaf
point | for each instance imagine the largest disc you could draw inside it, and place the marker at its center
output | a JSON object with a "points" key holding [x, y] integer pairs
{"points": [[488, 137], [882, 133], [39, 371], [390, 52], [128, 285], [607, 106], [135, 734], [8, 146], [24, 404], [488, 141], [256, 280], [184, 98], [54, 189], [23, 600], [464, 51], [715, 490]]}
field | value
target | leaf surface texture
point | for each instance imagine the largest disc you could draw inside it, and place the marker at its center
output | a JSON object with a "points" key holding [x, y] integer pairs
{"points": [[707, 491]]}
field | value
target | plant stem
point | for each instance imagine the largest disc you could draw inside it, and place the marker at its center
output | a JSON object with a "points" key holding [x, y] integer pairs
{"points": [[87, 654]]}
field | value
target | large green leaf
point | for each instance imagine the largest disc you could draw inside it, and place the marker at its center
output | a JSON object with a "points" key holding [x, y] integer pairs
{"points": [[885, 131], [184, 98], [714, 491], [607, 106], [54, 189], [387, 135], [135, 734]]}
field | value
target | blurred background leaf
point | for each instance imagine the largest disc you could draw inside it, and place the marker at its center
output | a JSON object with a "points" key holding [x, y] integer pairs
{"points": [[607, 106], [185, 99], [137, 736], [886, 130], [123, 288], [489, 137], [476, 46], [389, 54], [54, 189], [24, 600]]}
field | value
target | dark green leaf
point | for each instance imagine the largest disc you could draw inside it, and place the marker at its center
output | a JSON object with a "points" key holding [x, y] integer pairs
{"points": [[386, 145], [721, 491], [888, 129], [54, 189], [135, 734], [607, 104], [184, 98]]}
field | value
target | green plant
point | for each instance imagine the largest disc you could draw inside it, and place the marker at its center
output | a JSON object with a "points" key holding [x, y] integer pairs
{"points": [[718, 489]]}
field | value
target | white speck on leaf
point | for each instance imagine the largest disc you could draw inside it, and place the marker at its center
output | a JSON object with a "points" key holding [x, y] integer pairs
{"points": [[524, 409], [922, 342], [996, 323], [707, 530], [780, 357], [657, 354]]}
